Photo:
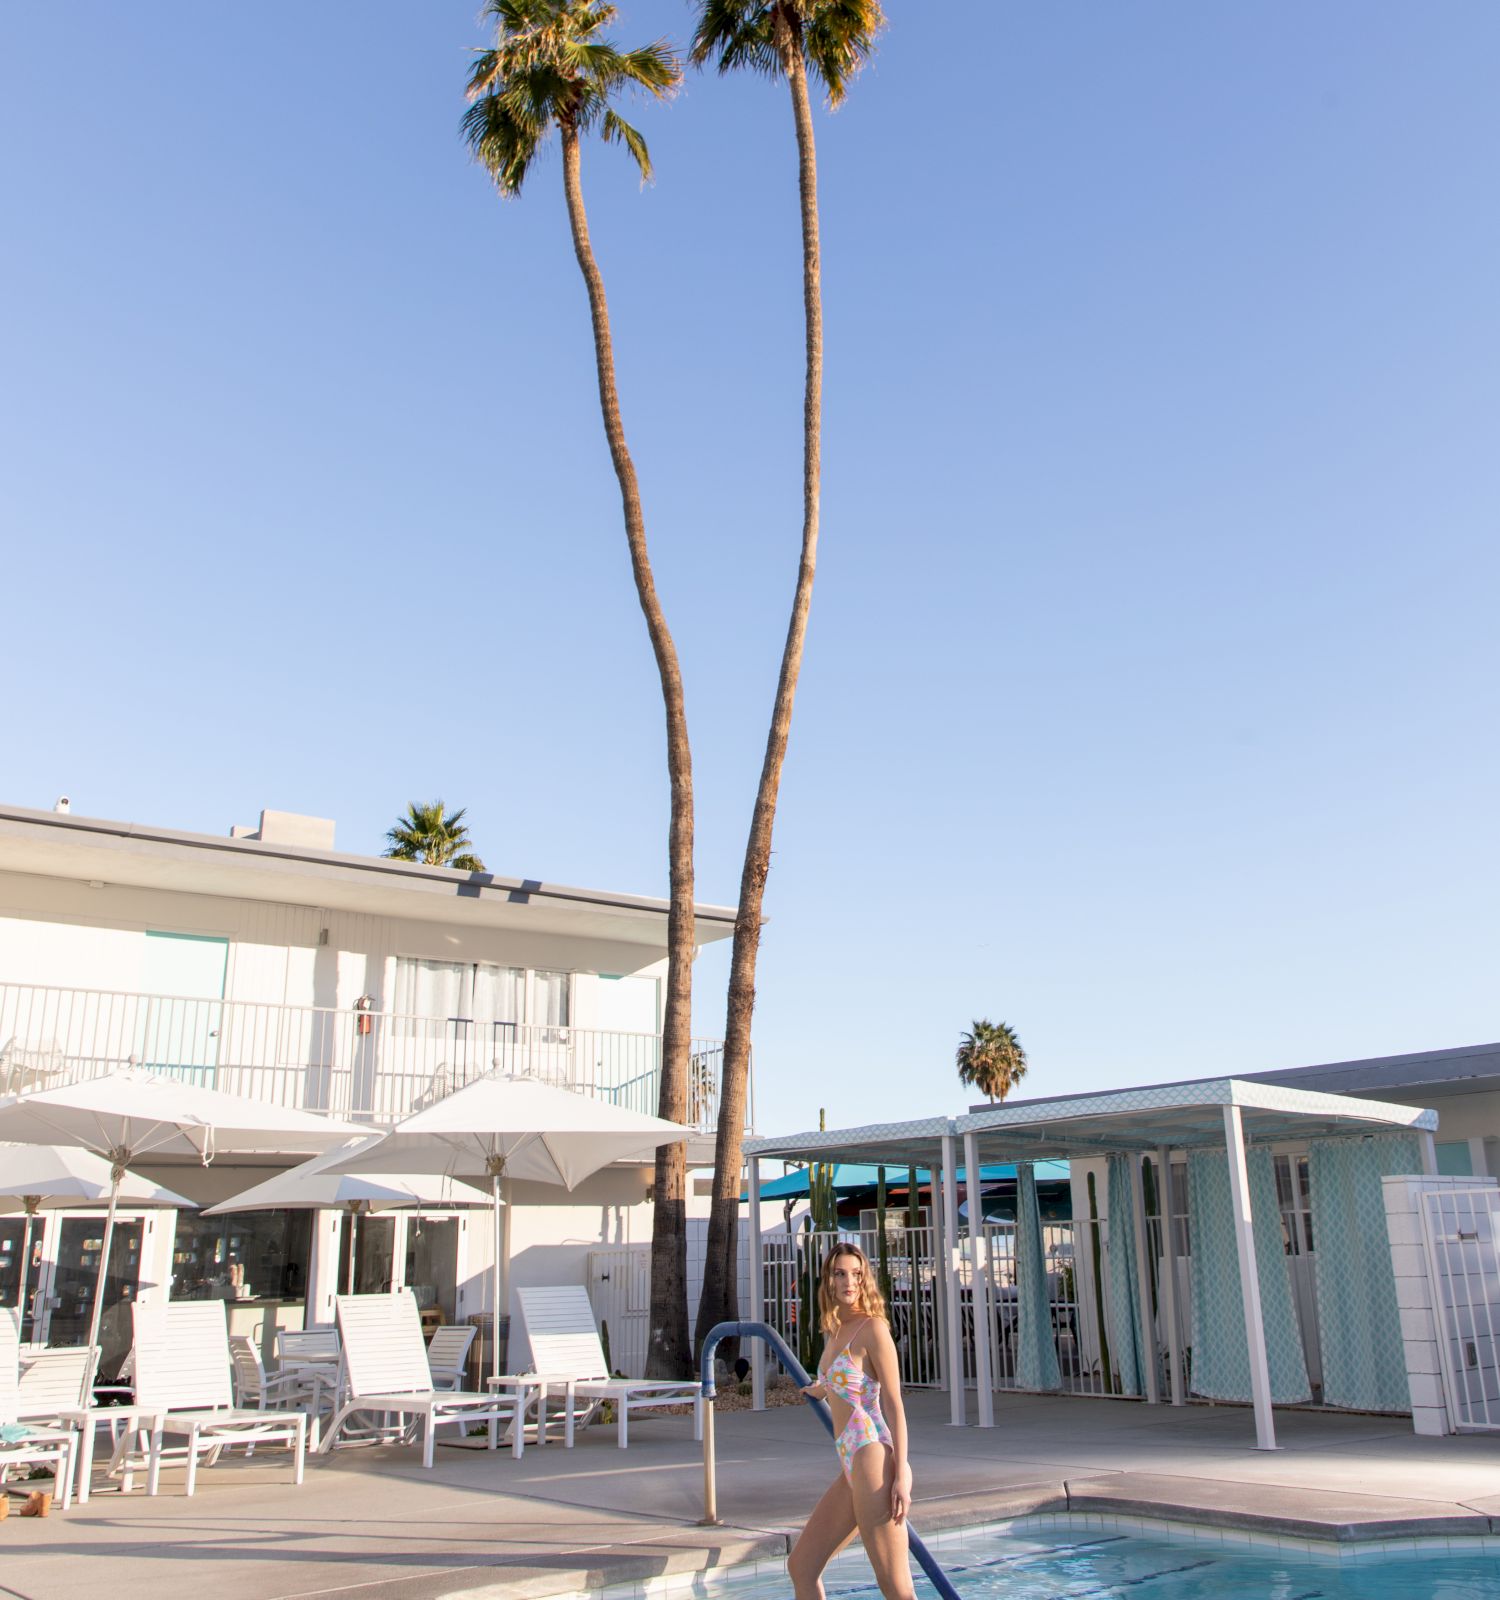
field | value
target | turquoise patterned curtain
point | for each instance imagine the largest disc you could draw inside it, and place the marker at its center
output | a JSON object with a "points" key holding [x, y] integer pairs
{"points": [[1359, 1327], [1036, 1347], [1124, 1292], [1221, 1356]]}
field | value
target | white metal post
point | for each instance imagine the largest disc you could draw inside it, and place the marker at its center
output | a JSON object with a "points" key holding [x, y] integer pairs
{"points": [[1244, 1241], [978, 1285], [957, 1398], [1429, 1154], [757, 1287], [1169, 1272], [1143, 1282], [939, 1281]]}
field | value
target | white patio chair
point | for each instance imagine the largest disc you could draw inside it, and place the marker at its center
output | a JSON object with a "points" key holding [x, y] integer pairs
{"points": [[448, 1354], [301, 1389], [29, 1443], [565, 1343], [386, 1371], [183, 1383]]}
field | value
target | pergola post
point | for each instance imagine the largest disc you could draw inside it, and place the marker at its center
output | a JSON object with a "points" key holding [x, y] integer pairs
{"points": [[757, 1288], [1428, 1146], [979, 1284], [957, 1399], [1244, 1240], [1143, 1282], [939, 1279], [1169, 1273]]}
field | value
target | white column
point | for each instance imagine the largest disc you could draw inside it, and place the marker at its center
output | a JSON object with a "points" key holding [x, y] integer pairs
{"points": [[979, 1285], [1143, 1282], [1479, 1164], [957, 1398], [757, 1285], [1244, 1242], [939, 1282], [1429, 1154], [1169, 1271]]}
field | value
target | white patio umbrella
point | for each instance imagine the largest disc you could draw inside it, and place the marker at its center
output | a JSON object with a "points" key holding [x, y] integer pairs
{"points": [[512, 1127], [311, 1187], [32, 1173], [131, 1113]]}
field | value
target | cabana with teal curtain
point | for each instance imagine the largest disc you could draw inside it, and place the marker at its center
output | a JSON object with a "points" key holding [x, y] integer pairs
{"points": [[1245, 1118], [1036, 1344], [1221, 1354], [1124, 1295], [1359, 1325]]}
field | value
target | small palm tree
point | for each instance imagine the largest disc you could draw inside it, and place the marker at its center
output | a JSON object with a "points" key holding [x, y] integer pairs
{"points": [[991, 1058], [433, 835], [552, 69], [829, 40]]}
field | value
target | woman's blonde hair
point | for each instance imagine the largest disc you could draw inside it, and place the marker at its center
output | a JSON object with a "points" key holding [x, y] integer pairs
{"points": [[871, 1301]]}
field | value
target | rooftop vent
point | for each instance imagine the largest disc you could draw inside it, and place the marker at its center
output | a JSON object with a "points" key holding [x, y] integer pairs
{"points": [[289, 827]]}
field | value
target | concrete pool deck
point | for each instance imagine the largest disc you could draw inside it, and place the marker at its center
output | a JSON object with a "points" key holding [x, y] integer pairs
{"points": [[372, 1525]]}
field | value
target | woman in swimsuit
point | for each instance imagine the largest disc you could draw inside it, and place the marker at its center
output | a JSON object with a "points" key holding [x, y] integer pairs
{"points": [[872, 1492]]}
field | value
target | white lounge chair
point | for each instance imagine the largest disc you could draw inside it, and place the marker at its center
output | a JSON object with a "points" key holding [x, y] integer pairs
{"points": [[448, 1354], [183, 1390], [52, 1382], [30, 1443], [565, 1344], [385, 1368]]}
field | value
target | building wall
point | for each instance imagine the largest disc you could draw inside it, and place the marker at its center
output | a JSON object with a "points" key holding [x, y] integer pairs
{"points": [[59, 932]]}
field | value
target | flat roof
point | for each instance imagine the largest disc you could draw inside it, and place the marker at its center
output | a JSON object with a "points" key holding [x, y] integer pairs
{"points": [[1182, 1116], [49, 844]]}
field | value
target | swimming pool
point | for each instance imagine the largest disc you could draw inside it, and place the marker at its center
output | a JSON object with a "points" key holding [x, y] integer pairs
{"points": [[1107, 1563]]}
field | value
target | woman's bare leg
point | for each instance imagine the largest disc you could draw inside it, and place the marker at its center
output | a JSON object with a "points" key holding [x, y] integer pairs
{"points": [[885, 1543], [830, 1527]]}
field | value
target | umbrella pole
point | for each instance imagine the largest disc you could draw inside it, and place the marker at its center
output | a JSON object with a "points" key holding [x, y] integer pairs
{"points": [[495, 1308], [117, 1172]]}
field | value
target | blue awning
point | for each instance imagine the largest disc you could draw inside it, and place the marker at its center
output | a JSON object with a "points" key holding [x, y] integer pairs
{"points": [[850, 1177]]}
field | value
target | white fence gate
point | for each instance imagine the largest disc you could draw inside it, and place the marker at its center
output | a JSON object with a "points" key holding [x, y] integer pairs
{"points": [[620, 1293], [1462, 1230]]}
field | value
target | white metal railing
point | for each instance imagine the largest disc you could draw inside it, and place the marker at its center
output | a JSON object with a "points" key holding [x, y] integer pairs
{"points": [[367, 1065], [793, 1260]]}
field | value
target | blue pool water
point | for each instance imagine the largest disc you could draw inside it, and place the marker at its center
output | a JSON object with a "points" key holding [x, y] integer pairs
{"points": [[1105, 1565]]}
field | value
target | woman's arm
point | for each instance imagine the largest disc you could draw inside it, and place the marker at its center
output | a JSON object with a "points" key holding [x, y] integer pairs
{"points": [[882, 1365]]}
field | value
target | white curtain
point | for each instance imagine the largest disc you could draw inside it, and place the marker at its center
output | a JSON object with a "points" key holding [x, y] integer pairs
{"points": [[551, 1009]]}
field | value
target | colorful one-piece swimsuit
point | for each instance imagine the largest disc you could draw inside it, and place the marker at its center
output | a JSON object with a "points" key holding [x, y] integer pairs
{"points": [[861, 1393]]}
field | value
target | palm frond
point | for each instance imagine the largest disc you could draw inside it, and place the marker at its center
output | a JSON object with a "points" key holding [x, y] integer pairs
{"points": [[618, 130], [835, 37]]}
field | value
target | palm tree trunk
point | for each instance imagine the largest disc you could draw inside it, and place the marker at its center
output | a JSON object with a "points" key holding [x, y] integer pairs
{"points": [[720, 1277], [669, 1351]]}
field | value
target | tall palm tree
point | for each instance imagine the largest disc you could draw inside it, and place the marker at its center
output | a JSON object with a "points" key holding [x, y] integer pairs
{"points": [[432, 834], [552, 69], [991, 1058], [831, 40]]}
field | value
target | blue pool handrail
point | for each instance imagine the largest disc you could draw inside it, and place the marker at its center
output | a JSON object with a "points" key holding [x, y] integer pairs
{"points": [[761, 1330]]}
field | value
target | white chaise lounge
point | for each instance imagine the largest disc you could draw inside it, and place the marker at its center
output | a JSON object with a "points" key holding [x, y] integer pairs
{"points": [[565, 1344], [184, 1390], [386, 1370]]}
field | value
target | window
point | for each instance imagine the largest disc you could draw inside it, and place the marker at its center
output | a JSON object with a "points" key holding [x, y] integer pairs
{"points": [[551, 993], [1293, 1197], [243, 1255], [471, 991]]}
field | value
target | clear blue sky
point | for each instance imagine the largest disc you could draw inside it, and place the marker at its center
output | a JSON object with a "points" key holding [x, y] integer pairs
{"points": [[1150, 699]]}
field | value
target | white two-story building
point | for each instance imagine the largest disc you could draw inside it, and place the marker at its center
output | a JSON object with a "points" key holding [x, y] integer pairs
{"points": [[269, 964]]}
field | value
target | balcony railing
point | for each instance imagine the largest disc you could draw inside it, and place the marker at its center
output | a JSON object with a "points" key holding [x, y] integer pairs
{"points": [[373, 1066]]}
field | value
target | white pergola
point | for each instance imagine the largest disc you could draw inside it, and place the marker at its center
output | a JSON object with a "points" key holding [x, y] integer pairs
{"points": [[1217, 1113]]}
